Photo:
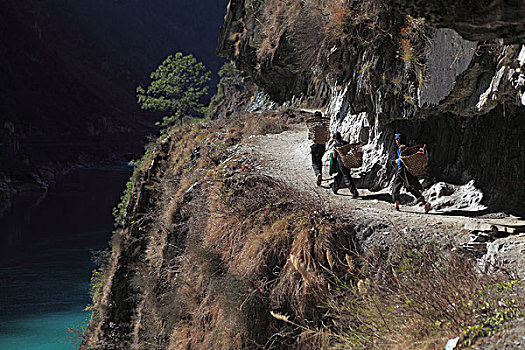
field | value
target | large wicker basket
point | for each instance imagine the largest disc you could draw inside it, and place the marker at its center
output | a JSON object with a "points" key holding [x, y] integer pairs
{"points": [[415, 159], [318, 129], [351, 155]]}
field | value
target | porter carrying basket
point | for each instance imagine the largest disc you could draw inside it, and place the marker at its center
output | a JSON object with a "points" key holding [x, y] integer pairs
{"points": [[351, 155], [318, 129], [415, 159]]}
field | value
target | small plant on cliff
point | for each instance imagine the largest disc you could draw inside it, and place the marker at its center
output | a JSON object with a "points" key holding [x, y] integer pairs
{"points": [[119, 212], [177, 88], [227, 75], [96, 286], [361, 21], [412, 41]]}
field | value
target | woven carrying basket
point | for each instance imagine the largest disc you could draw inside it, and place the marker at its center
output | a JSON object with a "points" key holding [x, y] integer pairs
{"points": [[351, 155], [415, 159], [318, 129]]}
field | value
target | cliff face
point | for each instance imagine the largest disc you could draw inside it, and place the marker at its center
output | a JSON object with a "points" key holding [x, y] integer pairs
{"points": [[377, 71], [480, 20]]}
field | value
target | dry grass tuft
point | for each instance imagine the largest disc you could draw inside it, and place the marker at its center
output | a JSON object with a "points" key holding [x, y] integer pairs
{"points": [[329, 259], [263, 124], [300, 267], [416, 296], [363, 21], [280, 317]]}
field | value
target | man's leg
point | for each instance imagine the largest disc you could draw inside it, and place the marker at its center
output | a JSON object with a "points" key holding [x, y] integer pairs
{"points": [[337, 182], [416, 194], [349, 182], [317, 151], [396, 189], [315, 161], [414, 187]]}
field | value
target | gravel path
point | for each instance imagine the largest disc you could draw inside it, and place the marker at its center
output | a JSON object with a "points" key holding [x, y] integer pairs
{"points": [[286, 156]]}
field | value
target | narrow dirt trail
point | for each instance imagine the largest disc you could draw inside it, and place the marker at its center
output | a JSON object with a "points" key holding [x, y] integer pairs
{"points": [[286, 156]]}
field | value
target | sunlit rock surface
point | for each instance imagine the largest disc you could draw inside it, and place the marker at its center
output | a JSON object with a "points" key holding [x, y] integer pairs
{"points": [[464, 98]]}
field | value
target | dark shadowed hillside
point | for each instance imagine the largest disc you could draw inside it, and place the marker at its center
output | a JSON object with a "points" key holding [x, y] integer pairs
{"points": [[69, 71]]}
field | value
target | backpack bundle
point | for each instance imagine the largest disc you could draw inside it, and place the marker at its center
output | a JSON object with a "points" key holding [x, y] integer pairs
{"points": [[318, 129], [415, 159], [351, 155]]}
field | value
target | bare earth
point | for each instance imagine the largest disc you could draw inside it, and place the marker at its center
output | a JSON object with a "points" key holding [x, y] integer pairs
{"points": [[286, 156]]}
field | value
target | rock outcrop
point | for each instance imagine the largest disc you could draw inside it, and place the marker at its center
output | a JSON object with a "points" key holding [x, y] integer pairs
{"points": [[480, 20], [382, 71]]}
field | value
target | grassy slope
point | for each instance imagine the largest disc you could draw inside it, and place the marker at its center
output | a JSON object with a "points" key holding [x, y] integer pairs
{"points": [[205, 256]]}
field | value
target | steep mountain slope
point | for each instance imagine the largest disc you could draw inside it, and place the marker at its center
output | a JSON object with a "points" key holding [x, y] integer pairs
{"points": [[210, 226], [225, 243]]}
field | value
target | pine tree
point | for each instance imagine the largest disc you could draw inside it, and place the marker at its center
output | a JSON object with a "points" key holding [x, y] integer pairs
{"points": [[177, 87]]}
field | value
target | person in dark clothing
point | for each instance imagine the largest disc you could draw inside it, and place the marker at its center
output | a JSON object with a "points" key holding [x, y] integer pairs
{"points": [[317, 151], [404, 178], [343, 175]]}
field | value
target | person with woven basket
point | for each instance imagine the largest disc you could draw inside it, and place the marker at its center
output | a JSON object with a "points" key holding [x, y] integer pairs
{"points": [[343, 174], [317, 150], [405, 178]]}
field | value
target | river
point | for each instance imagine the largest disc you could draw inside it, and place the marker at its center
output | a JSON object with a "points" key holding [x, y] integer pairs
{"points": [[45, 257]]}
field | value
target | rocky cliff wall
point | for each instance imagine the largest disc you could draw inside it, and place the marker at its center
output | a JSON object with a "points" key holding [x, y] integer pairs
{"points": [[375, 71], [474, 20]]}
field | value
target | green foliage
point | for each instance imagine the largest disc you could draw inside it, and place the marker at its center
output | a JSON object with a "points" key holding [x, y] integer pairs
{"points": [[97, 282], [96, 287], [497, 304], [227, 74], [177, 87], [119, 212]]}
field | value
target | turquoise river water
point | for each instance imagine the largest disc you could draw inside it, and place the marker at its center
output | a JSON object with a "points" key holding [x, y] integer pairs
{"points": [[45, 258]]}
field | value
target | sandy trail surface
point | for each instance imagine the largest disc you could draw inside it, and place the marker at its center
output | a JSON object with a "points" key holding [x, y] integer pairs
{"points": [[286, 156]]}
